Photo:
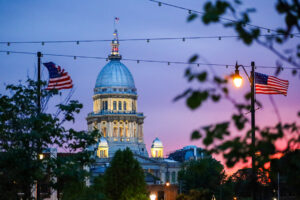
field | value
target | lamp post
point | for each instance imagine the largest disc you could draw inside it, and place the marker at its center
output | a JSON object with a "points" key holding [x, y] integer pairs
{"points": [[237, 79]]}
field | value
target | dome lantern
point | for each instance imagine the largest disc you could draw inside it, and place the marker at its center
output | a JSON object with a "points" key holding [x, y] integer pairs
{"points": [[102, 148], [115, 55], [157, 149]]}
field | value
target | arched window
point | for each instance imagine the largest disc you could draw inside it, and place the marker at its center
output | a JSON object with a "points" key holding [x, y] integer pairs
{"points": [[121, 132], [124, 106], [115, 105], [126, 132], [104, 132], [115, 132]]}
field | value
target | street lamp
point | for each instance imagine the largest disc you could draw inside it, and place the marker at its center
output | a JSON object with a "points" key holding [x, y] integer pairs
{"points": [[237, 79], [153, 197], [41, 156], [167, 183]]}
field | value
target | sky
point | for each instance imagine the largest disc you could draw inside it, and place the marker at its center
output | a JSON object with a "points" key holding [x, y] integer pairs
{"points": [[157, 84]]}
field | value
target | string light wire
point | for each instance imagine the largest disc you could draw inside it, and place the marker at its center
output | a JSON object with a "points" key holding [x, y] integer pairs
{"points": [[140, 39], [142, 60], [190, 11]]}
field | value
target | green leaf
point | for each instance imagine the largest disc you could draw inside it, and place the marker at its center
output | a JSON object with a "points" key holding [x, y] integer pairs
{"points": [[191, 17], [195, 100], [193, 58], [225, 90], [196, 135], [202, 76], [215, 98]]}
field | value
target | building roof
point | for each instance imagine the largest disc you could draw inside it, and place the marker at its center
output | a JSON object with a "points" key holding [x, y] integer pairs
{"points": [[102, 142], [115, 74], [157, 143]]}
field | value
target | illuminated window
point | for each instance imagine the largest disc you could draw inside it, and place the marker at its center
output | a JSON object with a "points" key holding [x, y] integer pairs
{"points": [[115, 132], [121, 132], [115, 105], [126, 132], [104, 132], [125, 106], [120, 105]]}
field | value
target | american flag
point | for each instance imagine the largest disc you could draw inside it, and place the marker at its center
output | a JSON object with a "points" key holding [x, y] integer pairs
{"points": [[58, 78], [265, 84]]}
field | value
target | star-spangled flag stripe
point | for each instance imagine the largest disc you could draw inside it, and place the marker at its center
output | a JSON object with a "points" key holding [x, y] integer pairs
{"points": [[61, 87], [65, 78], [265, 84], [58, 78], [60, 83]]}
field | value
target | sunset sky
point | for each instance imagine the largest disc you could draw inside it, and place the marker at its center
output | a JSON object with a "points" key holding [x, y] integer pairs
{"points": [[157, 84]]}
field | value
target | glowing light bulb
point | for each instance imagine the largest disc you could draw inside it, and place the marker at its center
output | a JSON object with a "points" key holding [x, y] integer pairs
{"points": [[237, 80], [153, 197]]}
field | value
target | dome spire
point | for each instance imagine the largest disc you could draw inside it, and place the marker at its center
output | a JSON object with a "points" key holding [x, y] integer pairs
{"points": [[115, 55]]}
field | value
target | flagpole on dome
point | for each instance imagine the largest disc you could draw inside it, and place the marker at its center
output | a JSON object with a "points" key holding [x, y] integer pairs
{"points": [[115, 55]]}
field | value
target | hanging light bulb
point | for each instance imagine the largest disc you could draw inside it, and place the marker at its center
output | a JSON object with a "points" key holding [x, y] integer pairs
{"points": [[159, 3], [7, 52], [168, 63], [183, 39], [137, 61], [148, 40], [77, 42], [8, 44], [43, 43], [269, 30], [220, 38], [190, 12], [74, 57], [237, 79]]}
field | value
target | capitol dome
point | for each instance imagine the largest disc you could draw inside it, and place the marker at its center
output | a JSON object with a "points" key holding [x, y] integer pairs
{"points": [[157, 143], [115, 74], [115, 77]]}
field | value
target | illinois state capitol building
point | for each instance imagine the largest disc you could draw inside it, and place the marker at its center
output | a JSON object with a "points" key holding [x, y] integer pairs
{"points": [[115, 114]]}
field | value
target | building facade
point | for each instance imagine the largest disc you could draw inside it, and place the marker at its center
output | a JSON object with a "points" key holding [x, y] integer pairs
{"points": [[115, 114]]}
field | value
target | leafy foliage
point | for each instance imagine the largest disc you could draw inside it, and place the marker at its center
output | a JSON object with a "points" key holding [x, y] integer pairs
{"points": [[124, 178], [25, 133], [218, 137], [201, 178]]}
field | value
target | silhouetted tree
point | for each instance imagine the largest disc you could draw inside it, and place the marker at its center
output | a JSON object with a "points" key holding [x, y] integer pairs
{"points": [[25, 133], [203, 175], [124, 178]]}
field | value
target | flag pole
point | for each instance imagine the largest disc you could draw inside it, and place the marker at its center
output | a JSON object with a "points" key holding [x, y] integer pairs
{"points": [[253, 130], [39, 55]]}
